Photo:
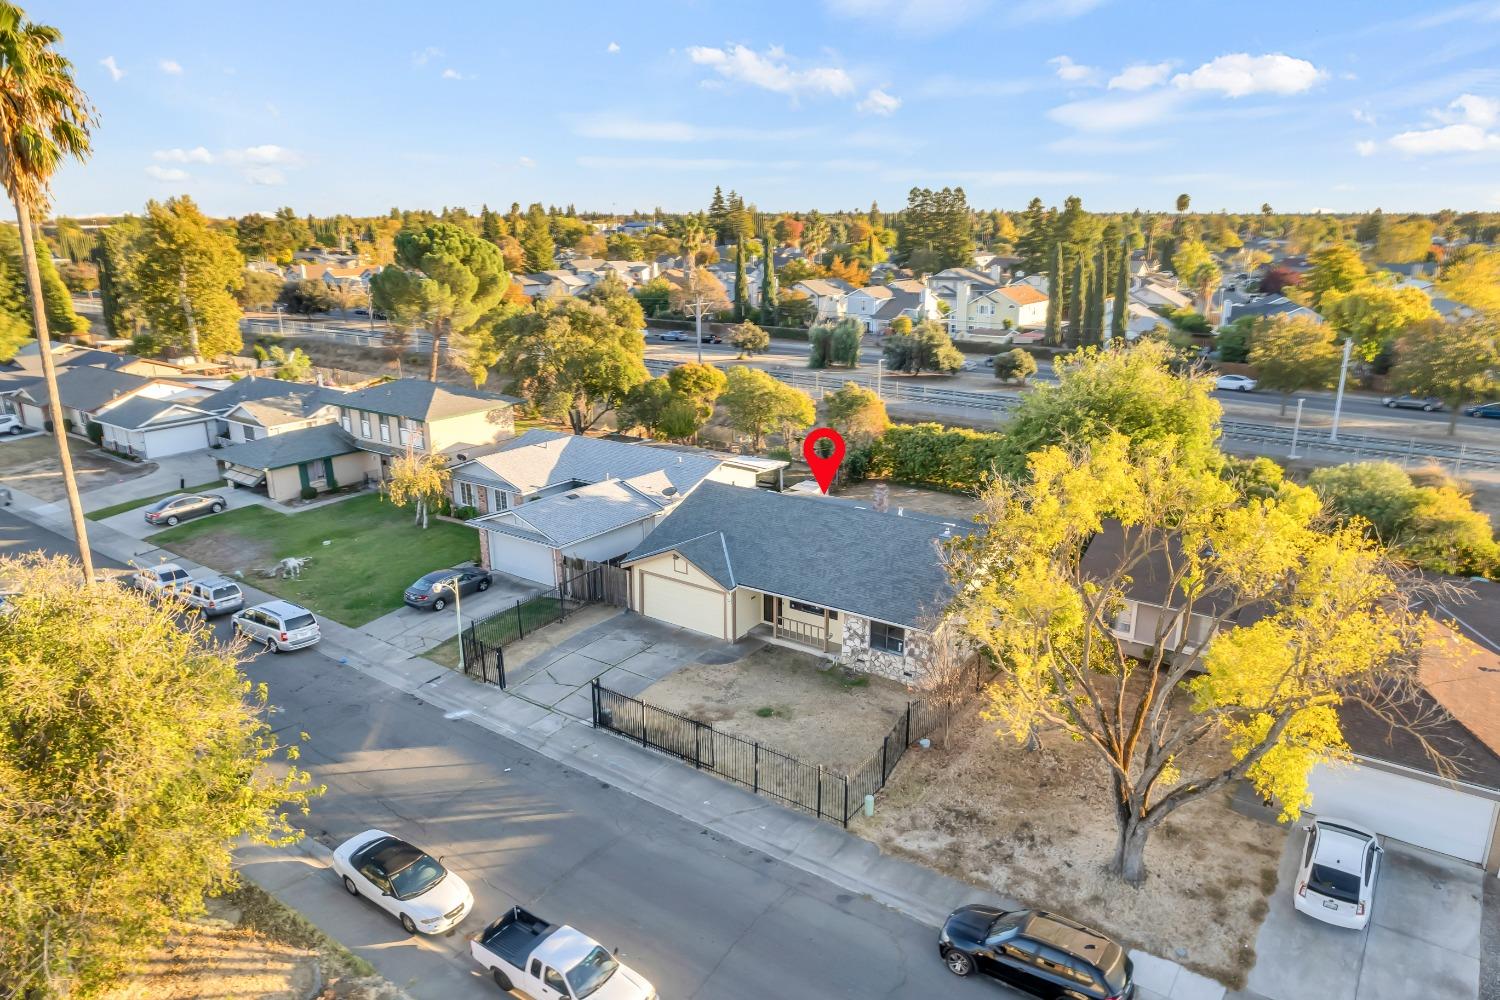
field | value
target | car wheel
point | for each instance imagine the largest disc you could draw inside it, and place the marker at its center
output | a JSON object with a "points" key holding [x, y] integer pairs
{"points": [[439, 604], [1428, 408], [958, 963], [216, 508], [501, 980], [484, 584], [17, 429], [272, 647], [1390, 404], [172, 520], [407, 924], [349, 884]]}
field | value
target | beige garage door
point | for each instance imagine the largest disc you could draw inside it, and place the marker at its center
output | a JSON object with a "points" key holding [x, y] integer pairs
{"points": [[683, 604]]}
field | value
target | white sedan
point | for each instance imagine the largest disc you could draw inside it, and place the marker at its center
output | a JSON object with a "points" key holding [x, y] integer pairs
{"points": [[405, 882], [1235, 383], [1336, 883]]}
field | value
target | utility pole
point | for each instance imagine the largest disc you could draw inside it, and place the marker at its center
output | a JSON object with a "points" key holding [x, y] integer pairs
{"points": [[1296, 429], [1338, 399]]}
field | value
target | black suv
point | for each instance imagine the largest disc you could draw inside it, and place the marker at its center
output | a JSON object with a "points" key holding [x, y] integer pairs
{"points": [[1041, 953]]}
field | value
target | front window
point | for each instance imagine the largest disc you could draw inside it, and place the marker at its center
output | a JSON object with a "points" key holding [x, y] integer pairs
{"points": [[364, 425], [385, 431], [888, 638], [1124, 621], [465, 492], [344, 419], [593, 972], [813, 609], [404, 432], [416, 878]]}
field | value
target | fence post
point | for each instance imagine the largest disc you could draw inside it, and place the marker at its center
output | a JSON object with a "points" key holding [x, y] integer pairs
{"points": [[885, 742], [820, 791], [907, 741], [845, 817], [520, 623], [500, 666], [755, 757], [594, 692], [697, 744]]}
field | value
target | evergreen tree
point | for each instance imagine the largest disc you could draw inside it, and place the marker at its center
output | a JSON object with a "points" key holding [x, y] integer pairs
{"points": [[936, 230], [1075, 304], [768, 290], [186, 272], [1054, 294], [1038, 241], [1097, 284], [491, 225], [537, 242], [741, 284], [111, 255], [1121, 317], [875, 218], [718, 213]]}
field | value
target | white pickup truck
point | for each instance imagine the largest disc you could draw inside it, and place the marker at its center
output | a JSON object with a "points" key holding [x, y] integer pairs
{"points": [[553, 962]]}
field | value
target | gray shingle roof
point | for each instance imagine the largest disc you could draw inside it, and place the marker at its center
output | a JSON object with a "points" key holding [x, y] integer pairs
{"points": [[138, 411], [420, 399], [310, 397], [831, 553], [88, 388], [566, 518], [542, 458], [291, 448]]}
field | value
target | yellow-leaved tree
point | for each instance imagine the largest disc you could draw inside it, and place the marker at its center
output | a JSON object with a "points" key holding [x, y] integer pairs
{"points": [[418, 478], [1269, 621]]}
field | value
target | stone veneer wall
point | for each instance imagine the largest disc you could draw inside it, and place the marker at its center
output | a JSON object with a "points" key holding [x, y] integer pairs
{"points": [[856, 652]]}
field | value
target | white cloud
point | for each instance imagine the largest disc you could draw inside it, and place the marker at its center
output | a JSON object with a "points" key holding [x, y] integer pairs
{"points": [[1069, 70], [169, 66], [115, 72], [1240, 74], [615, 126], [166, 173], [452, 74], [1365, 147], [1363, 117], [878, 102], [612, 47], [1474, 110], [264, 175], [268, 153], [1141, 76], [772, 71], [1051, 10], [195, 155], [1464, 138], [1117, 114], [422, 57], [525, 161]]}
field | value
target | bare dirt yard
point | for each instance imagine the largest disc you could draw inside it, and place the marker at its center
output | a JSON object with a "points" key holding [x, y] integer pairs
{"points": [[790, 701], [1036, 826], [924, 501], [30, 465], [249, 947]]}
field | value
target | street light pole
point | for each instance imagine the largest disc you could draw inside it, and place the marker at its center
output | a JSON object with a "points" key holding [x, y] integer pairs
{"points": [[1338, 399], [452, 584], [1296, 428], [279, 331]]}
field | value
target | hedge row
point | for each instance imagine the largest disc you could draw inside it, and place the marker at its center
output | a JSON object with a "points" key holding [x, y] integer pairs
{"points": [[722, 329], [950, 458]]}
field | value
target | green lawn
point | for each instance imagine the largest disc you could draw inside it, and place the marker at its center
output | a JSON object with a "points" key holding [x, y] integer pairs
{"points": [[122, 507], [504, 628], [374, 553]]}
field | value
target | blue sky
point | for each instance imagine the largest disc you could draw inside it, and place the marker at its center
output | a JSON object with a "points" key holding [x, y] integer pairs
{"points": [[1322, 104]]}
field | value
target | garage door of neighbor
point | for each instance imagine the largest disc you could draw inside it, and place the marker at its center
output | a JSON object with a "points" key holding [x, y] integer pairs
{"points": [[166, 441], [519, 557], [683, 604], [1438, 817]]}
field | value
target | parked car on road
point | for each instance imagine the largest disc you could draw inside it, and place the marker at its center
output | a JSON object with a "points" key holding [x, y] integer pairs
{"points": [[1235, 383], [1490, 410], [1336, 883], [162, 579], [11, 424], [435, 589], [182, 507], [281, 625], [550, 960], [407, 883], [1037, 952], [674, 336], [1404, 402], [214, 595]]}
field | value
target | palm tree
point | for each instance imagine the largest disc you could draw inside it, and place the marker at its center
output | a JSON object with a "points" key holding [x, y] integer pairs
{"points": [[44, 117]]}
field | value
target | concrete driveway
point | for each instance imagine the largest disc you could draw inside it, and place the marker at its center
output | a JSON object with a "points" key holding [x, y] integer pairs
{"points": [[420, 630], [1422, 939]]}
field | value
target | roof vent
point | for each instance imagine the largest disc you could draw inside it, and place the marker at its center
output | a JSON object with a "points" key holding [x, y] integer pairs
{"points": [[900, 511], [670, 491], [572, 496], [679, 459]]}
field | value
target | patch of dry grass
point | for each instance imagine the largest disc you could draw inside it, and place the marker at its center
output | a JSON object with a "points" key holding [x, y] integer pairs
{"points": [[1036, 826]]}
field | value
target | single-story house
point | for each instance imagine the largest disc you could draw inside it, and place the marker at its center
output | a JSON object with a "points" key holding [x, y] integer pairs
{"points": [[547, 497], [831, 576], [155, 428], [1265, 306], [323, 457], [87, 390], [1153, 293]]}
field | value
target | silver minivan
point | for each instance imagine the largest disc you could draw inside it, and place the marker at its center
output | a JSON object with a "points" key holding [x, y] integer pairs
{"points": [[214, 595], [281, 625]]}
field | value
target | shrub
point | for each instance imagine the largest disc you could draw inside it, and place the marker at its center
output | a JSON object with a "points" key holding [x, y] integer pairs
{"points": [[309, 492], [952, 458], [95, 431], [1015, 365], [465, 513]]}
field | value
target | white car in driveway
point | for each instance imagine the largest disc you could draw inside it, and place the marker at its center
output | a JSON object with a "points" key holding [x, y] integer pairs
{"points": [[404, 881], [1235, 383], [1336, 883], [163, 579], [11, 424]]}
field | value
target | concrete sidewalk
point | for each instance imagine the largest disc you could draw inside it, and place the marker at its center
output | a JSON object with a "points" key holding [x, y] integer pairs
{"points": [[814, 846]]}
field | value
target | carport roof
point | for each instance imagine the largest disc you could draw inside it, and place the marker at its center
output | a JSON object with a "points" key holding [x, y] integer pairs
{"points": [[832, 553], [292, 448]]}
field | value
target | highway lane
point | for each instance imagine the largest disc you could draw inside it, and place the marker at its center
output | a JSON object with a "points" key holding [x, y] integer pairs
{"points": [[699, 915]]}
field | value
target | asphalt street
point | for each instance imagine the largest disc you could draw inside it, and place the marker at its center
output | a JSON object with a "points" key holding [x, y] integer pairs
{"points": [[698, 915]]}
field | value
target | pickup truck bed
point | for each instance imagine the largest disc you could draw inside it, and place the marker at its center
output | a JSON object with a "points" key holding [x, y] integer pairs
{"points": [[515, 936]]}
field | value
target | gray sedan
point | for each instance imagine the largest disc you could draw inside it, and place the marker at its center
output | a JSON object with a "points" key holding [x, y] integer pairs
{"points": [[435, 589], [183, 506]]}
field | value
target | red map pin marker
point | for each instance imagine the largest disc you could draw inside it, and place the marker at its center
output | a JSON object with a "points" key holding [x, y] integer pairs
{"points": [[823, 469]]}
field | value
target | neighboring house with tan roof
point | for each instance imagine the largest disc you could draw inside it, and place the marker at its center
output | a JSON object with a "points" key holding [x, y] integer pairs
{"points": [[547, 497], [980, 312], [877, 306], [827, 295]]}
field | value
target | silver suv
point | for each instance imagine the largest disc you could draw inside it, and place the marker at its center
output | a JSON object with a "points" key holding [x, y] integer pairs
{"points": [[214, 595], [11, 424], [281, 625]]}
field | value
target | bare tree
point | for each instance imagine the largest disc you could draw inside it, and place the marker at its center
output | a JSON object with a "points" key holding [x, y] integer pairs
{"points": [[951, 677]]}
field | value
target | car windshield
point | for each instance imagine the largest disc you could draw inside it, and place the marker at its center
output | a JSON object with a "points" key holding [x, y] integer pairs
{"points": [[1336, 884], [593, 972], [299, 621], [417, 877], [176, 574], [1006, 922]]}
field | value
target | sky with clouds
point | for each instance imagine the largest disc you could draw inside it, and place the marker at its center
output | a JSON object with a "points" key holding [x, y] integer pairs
{"points": [[1340, 105]]}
